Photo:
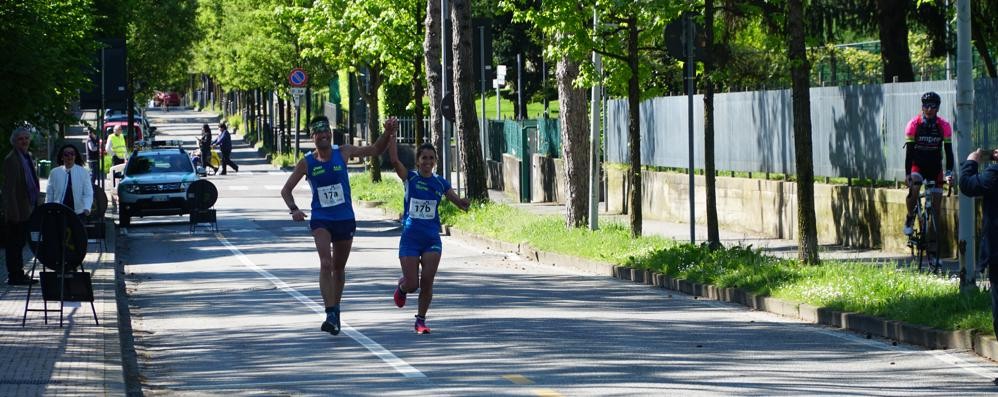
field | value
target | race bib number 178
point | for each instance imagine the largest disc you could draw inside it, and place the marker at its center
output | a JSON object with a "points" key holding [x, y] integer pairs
{"points": [[330, 195]]}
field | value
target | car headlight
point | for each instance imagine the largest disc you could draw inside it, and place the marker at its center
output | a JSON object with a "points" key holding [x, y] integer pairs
{"points": [[130, 188]]}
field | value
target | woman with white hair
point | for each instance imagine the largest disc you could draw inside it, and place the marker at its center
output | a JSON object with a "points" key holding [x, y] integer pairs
{"points": [[20, 196]]}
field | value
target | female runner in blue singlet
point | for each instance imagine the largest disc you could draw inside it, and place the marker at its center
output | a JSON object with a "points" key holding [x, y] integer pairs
{"points": [[420, 242]]}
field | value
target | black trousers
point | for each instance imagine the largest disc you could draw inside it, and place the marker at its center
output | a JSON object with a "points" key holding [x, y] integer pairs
{"points": [[17, 236], [227, 161]]}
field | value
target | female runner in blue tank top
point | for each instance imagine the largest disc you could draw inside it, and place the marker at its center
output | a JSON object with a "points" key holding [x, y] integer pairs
{"points": [[333, 223], [420, 243]]}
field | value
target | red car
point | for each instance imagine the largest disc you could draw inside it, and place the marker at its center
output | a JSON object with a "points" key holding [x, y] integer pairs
{"points": [[170, 98], [109, 128]]}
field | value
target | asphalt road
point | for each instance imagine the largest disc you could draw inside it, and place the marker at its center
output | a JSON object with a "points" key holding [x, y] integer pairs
{"points": [[238, 312]]}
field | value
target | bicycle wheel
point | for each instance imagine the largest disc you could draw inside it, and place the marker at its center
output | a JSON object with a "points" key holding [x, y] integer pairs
{"points": [[921, 236], [932, 242]]}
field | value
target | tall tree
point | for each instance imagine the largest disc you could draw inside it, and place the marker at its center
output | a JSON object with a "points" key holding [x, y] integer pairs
{"points": [[894, 51], [434, 79], [464, 102], [48, 47], [575, 141], [807, 235], [713, 232], [629, 38], [984, 31]]}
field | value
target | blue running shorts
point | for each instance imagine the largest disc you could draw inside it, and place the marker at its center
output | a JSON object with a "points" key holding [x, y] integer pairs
{"points": [[413, 244]]}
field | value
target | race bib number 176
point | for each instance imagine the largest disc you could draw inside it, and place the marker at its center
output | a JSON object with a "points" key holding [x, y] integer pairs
{"points": [[422, 209]]}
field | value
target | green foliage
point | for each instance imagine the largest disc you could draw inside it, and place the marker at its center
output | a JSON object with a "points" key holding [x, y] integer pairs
{"points": [[568, 26], [160, 37], [285, 160], [47, 47]]}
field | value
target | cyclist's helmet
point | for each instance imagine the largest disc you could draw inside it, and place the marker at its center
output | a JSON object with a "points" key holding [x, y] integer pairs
{"points": [[931, 98]]}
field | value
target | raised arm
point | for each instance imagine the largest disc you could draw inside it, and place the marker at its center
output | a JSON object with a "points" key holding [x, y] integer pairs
{"points": [[379, 146], [461, 203], [393, 155], [289, 187]]}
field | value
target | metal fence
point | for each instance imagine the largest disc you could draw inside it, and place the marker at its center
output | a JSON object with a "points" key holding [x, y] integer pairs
{"points": [[857, 131]]}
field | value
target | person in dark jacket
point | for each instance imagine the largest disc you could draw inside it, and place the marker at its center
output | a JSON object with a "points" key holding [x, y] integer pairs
{"points": [[224, 143], [20, 197], [985, 185], [204, 144]]}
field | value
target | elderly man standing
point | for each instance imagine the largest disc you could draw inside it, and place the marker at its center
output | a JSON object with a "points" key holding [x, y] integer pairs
{"points": [[20, 196]]}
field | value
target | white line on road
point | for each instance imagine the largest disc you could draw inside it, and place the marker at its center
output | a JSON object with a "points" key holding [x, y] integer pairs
{"points": [[273, 187], [391, 359], [238, 187]]}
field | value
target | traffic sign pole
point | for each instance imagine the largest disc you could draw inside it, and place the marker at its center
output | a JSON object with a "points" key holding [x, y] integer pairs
{"points": [[298, 79]]}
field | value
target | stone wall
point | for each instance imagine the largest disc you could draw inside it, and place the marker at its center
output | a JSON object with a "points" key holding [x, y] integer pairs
{"points": [[850, 216]]}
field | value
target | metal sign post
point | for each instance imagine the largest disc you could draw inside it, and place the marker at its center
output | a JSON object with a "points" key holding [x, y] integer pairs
{"points": [[298, 80], [498, 83]]}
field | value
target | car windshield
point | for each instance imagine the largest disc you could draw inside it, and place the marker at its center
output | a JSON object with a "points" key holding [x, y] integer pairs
{"points": [[159, 163]]}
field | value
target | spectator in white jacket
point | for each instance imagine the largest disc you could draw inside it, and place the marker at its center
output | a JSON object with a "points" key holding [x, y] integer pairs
{"points": [[71, 177]]}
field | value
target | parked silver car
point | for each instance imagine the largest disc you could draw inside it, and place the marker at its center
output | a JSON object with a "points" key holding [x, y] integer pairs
{"points": [[155, 183]]}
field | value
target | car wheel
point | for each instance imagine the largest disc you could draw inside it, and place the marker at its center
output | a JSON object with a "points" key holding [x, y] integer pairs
{"points": [[124, 218]]}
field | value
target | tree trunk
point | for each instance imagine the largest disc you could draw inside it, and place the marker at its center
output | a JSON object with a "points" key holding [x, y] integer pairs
{"points": [[982, 47], [634, 127], [713, 234], [893, 21], [418, 91], [464, 102], [431, 49], [807, 251], [279, 131], [574, 142], [370, 96]]}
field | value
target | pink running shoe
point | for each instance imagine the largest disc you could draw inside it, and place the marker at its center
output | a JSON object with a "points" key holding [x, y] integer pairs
{"points": [[420, 326], [399, 294]]}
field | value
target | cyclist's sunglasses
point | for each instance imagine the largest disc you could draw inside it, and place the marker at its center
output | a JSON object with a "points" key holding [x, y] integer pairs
{"points": [[930, 105]]}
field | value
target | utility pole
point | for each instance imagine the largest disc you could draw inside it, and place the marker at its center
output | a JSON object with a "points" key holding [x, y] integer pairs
{"points": [[483, 136], [594, 138], [964, 123], [690, 71]]}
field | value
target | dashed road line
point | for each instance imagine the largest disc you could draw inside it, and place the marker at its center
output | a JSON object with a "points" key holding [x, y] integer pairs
{"points": [[518, 379]]}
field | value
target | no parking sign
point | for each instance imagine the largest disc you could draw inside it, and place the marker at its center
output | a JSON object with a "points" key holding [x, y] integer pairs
{"points": [[298, 77]]}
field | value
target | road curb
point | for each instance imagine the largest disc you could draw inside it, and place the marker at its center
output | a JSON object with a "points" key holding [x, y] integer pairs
{"points": [[983, 345]]}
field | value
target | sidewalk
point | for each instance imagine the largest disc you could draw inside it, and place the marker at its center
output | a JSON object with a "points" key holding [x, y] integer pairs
{"points": [[681, 232], [81, 358]]}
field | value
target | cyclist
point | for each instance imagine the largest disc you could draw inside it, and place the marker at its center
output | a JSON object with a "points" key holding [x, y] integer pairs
{"points": [[926, 138]]}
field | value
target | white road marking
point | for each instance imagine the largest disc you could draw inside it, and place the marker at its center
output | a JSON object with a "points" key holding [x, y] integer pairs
{"points": [[273, 187], [238, 187], [391, 359], [244, 230]]}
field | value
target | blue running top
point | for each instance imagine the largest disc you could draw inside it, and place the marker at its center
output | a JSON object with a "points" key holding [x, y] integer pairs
{"points": [[422, 195], [330, 187]]}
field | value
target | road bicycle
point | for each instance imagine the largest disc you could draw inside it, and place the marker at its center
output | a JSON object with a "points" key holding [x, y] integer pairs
{"points": [[924, 241]]}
